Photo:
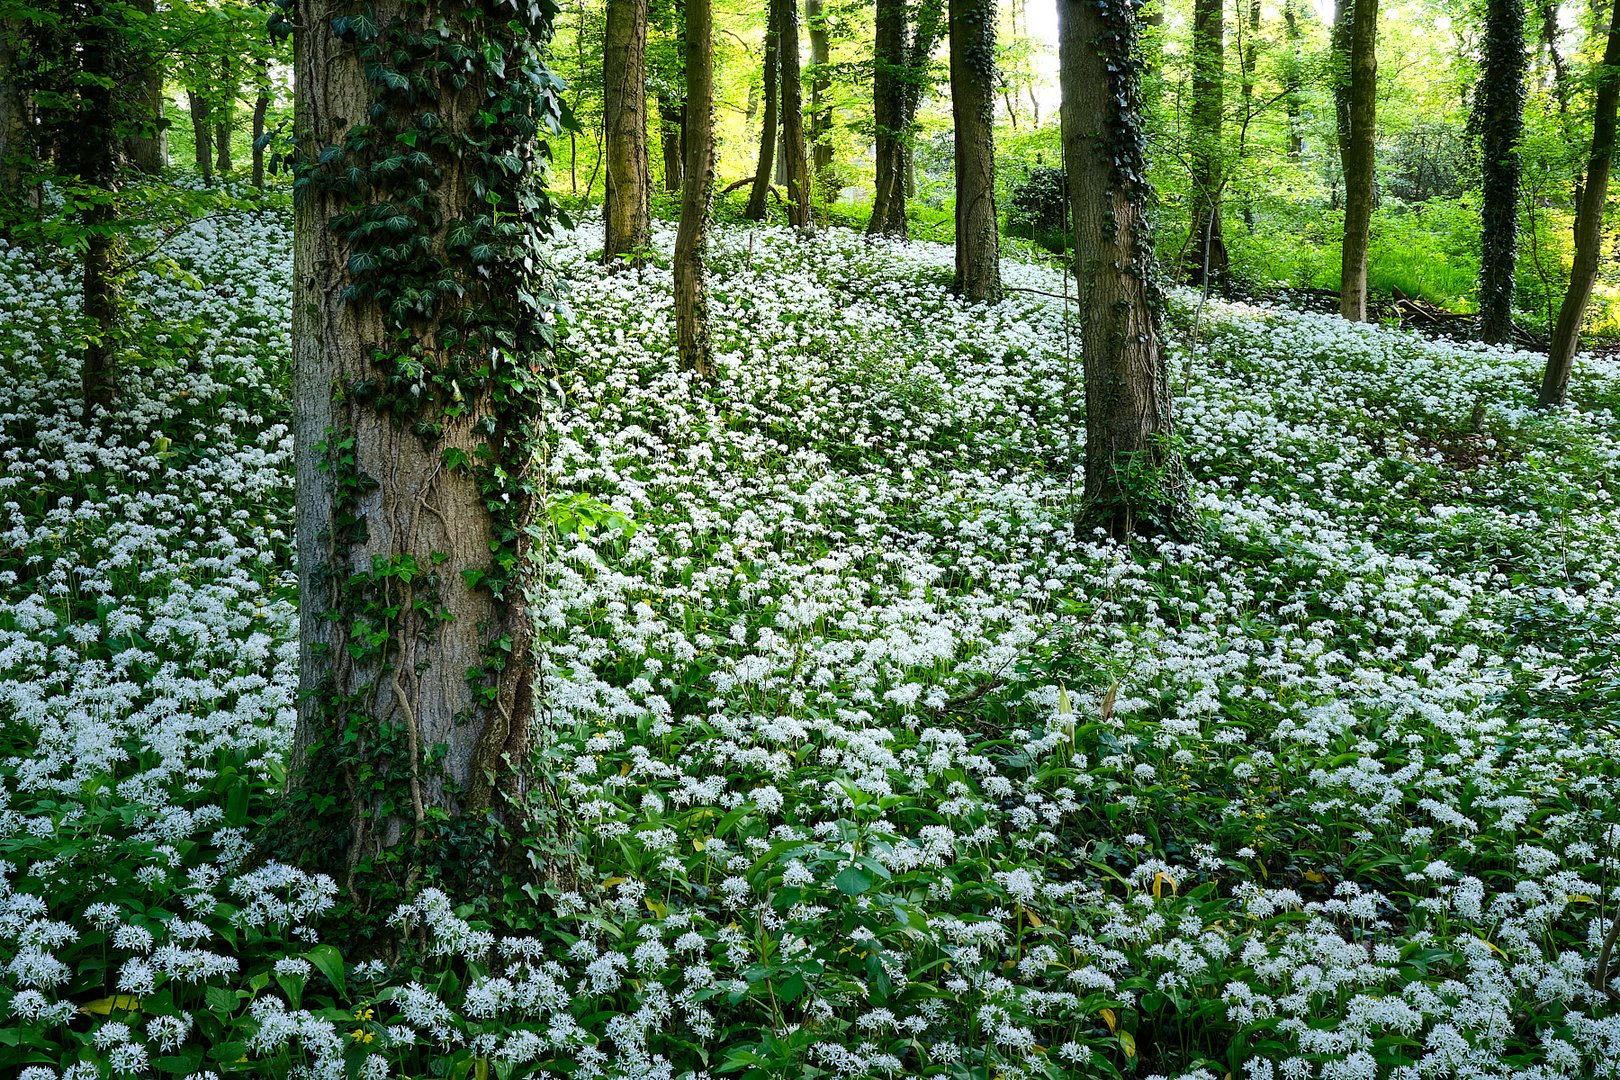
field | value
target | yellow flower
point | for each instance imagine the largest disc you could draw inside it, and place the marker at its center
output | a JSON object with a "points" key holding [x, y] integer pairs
{"points": [[362, 1035]]}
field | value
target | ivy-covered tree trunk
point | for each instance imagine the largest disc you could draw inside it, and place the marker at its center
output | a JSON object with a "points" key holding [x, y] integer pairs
{"points": [[419, 366], [202, 133], [627, 209], [772, 119], [1501, 123], [821, 147], [1588, 225], [1356, 41], [1129, 466], [890, 120], [973, 85], [793, 148], [1205, 261], [692, 236], [95, 140]]}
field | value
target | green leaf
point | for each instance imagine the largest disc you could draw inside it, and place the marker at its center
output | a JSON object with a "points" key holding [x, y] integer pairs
{"points": [[852, 881], [329, 962]]}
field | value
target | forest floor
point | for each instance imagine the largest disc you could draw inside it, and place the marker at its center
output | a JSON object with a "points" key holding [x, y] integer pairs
{"points": [[879, 765]]}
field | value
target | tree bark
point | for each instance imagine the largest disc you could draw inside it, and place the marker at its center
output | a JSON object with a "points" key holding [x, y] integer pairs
{"points": [[13, 121], [670, 139], [261, 108], [772, 119], [1588, 226], [973, 75], [203, 133], [146, 146], [96, 143], [417, 428], [793, 149], [1357, 106], [1129, 467], [225, 120], [692, 236], [1501, 124], [889, 71], [821, 147], [627, 210], [1205, 262], [1293, 83]]}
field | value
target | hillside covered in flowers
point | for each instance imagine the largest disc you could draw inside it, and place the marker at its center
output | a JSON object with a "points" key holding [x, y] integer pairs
{"points": [[874, 762]]}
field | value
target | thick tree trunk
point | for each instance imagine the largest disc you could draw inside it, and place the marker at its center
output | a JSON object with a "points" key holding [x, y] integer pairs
{"points": [[13, 124], [793, 149], [772, 119], [1205, 260], [1127, 384], [96, 143], [821, 147], [1357, 105], [670, 139], [146, 146], [1588, 226], [202, 132], [1501, 123], [627, 211], [692, 236], [891, 122], [416, 436], [973, 75]]}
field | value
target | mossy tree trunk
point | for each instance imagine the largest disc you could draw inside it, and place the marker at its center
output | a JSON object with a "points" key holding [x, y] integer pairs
{"points": [[1501, 124], [691, 237], [820, 127], [202, 133], [1588, 226], [95, 142], [1129, 466], [627, 209], [973, 77], [146, 144], [1205, 261], [760, 191], [419, 364], [902, 46], [1355, 36], [793, 143], [13, 119]]}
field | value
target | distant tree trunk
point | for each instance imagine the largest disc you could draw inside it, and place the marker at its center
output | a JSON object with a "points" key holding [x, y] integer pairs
{"points": [[692, 237], [888, 114], [1588, 225], [821, 148], [415, 495], [1120, 297], [1293, 84], [1501, 124], [1357, 98], [13, 120], [96, 141], [146, 145], [973, 75], [261, 110], [1205, 261], [225, 120], [793, 150], [203, 133], [772, 119], [627, 211], [669, 139]]}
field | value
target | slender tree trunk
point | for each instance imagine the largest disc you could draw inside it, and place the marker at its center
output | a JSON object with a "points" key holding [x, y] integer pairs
{"points": [[1357, 106], [261, 109], [973, 75], [146, 146], [627, 211], [1205, 261], [692, 236], [1501, 114], [1588, 225], [670, 138], [888, 113], [793, 149], [13, 120], [203, 133], [1128, 464], [821, 147], [225, 121], [761, 188], [96, 141], [417, 430], [1293, 84]]}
